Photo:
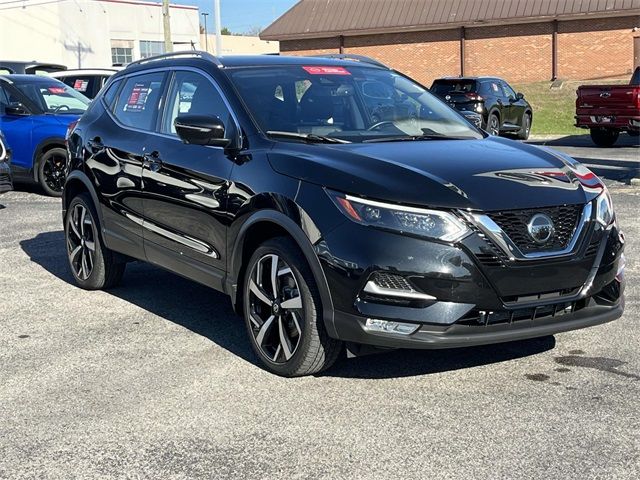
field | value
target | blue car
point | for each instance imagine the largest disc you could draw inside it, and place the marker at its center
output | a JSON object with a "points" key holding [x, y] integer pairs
{"points": [[5, 167], [35, 112]]}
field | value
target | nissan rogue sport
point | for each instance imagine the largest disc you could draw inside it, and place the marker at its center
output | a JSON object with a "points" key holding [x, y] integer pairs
{"points": [[273, 179]]}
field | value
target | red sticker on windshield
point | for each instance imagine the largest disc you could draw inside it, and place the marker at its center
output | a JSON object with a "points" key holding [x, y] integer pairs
{"points": [[327, 70], [56, 90]]}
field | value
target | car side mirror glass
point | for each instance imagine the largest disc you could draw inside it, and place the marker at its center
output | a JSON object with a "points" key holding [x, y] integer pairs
{"points": [[16, 108], [519, 96], [201, 130]]}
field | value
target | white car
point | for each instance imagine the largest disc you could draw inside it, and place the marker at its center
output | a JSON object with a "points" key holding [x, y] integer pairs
{"points": [[86, 81]]}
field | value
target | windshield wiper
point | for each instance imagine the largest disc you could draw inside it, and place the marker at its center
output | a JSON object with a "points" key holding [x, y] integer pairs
{"points": [[407, 138], [308, 137]]}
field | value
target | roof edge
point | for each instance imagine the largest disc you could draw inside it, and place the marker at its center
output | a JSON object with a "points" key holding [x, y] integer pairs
{"points": [[453, 25]]}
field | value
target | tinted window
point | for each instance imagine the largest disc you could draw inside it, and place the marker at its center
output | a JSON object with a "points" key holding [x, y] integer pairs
{"points": [[86, 85], [138, 101], [193, 93], [110, 95]]}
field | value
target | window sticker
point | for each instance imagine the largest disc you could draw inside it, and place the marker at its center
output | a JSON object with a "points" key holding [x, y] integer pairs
{"points": [[81, 85], [56, 90], [138, 98], [326, 70]]}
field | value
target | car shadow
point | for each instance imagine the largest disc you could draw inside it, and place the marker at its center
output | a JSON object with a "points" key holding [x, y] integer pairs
{"points": [[208, 313], [584, 141]]}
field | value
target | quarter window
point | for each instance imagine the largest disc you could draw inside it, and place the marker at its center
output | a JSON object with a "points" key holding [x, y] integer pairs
{"points": [[138, 102], [195, 94]]}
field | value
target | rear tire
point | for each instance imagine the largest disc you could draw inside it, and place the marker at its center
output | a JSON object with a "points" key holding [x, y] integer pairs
{"points": [[525, 131], [51, 171], [604, 137], [93, 266], [283, 312], [493, 124]]}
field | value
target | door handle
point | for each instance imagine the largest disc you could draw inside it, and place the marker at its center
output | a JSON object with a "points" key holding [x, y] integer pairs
{"points": [[152, 161]]}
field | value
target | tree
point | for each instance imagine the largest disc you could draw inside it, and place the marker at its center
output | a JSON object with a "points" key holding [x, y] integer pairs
{"points": [[225, 31], [254, 31]]}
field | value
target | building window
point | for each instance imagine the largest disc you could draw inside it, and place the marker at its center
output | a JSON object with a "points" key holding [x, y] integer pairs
{"points": [[150, 48], [121, 52]]}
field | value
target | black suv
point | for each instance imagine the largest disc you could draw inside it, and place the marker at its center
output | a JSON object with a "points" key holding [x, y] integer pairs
{"points": [[502, 109], [269, 178]]}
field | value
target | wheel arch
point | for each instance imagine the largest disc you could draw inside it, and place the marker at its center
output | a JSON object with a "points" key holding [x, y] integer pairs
{"points": [[43, 147], [78, 182], [259, 227]]}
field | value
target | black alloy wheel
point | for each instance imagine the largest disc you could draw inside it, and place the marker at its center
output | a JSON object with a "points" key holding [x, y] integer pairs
{"points": [[81, 245], [283, 312], [493, 125], [92, 264], [51, 173]]}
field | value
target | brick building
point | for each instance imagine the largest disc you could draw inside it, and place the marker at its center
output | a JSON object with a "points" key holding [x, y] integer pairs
{"points": [[520, 40]]}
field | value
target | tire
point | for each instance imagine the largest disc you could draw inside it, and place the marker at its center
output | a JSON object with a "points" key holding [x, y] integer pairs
{"points": [[93, 266], [51, 171], [493, 124], [525, 131], [288, 335], [604, 137]]}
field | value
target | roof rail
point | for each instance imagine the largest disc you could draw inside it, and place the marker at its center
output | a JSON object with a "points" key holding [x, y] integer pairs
{"points": [[185, 53], [353, 57]]}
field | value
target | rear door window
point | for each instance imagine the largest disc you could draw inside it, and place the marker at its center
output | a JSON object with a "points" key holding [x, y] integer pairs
{"points": [[138, 101]]}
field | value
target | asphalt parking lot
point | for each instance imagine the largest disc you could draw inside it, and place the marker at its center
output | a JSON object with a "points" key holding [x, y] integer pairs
{"points": [[156, 379]]}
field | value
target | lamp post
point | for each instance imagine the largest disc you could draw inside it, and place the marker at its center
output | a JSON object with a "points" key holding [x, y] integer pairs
{"points": [[206, 37]]}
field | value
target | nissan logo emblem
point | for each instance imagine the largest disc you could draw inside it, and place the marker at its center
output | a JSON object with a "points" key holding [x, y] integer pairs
{"points": [[540, 228]]}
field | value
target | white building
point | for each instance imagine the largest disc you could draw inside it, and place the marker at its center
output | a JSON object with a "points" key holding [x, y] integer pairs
{"points": [[91, 33], [239, 45]]}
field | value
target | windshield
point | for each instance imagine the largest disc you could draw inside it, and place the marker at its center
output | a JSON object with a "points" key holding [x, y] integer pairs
{"points": [[354, 103], [53, 96]]}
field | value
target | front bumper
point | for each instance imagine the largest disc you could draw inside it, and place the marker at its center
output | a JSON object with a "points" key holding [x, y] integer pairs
{"points": [[477, 298], [351, 328]]}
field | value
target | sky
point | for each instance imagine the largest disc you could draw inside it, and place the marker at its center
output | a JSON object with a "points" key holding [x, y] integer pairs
{"points": [[240, 16]]}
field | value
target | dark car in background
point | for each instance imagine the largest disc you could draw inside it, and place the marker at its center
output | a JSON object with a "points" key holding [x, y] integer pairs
{"points": [[29, 68], [274, 183], [35, 112], [5, 166], [503, 110], [86, 81]]}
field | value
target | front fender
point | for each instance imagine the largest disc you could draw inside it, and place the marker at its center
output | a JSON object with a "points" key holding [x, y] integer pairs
{"points": [[293, 225]]}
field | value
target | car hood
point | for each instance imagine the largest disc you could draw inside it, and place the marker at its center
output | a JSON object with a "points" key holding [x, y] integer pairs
{"points": [[488, 174], [64, 119]]}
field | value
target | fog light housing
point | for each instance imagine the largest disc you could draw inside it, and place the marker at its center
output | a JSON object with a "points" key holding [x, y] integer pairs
{"points": [[386, 326]]}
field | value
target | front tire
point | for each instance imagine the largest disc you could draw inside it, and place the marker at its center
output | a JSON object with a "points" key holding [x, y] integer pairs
{"points": [[51, 171], [283, 312], [604, 137], [93, 266]]}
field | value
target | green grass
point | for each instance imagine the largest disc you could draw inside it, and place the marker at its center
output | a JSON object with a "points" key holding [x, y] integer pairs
{"points": [[553, 110]]}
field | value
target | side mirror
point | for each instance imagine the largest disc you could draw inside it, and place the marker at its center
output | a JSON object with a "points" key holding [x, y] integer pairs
{"points": [[519, 96], [201, 130], [16, 108]]}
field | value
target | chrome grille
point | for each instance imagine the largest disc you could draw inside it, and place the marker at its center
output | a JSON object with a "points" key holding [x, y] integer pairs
{"points": [[514, 224]]}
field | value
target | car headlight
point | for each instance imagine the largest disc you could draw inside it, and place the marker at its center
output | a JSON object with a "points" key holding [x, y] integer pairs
{"points": [[436, 224], [604, 208]]}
